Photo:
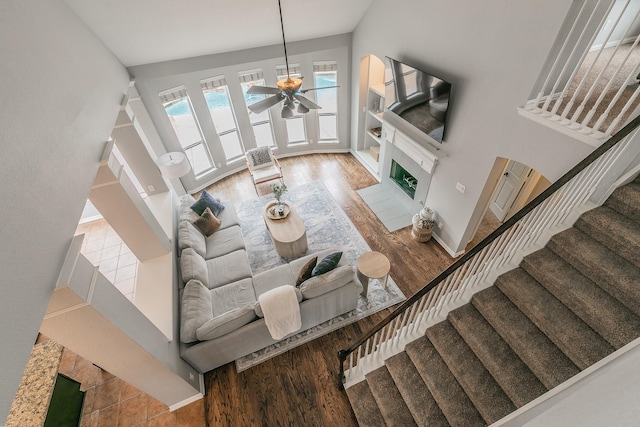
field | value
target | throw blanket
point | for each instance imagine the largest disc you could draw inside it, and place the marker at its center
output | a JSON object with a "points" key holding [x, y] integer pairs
{"points": [[281, 311]]}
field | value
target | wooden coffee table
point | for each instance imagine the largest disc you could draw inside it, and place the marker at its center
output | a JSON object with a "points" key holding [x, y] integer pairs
{"points": [[288, 234], [372, 265]]}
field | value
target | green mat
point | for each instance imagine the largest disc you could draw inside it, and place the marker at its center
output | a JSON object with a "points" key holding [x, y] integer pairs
{"points": [[65, 407]]}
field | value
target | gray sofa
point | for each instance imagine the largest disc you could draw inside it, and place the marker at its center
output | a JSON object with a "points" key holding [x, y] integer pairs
{"points": [[221, 319]]}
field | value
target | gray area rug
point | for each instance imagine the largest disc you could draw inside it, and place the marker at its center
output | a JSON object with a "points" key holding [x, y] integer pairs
{"points": [[327, 227]]}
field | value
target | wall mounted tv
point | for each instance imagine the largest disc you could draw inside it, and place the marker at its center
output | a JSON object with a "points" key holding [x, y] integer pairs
{"points": [[418, 98]]}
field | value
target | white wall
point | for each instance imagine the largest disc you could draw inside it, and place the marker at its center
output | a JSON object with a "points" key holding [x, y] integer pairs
{"points": [[627, 21], [491, 52], [607, 396], [61, 91]]}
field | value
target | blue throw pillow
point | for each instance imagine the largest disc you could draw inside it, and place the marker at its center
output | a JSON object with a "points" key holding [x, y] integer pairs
{"points": [[328, 263], [207, 201]]}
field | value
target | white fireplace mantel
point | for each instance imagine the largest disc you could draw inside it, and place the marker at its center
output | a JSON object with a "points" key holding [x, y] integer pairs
{"points": [[422, 156]]}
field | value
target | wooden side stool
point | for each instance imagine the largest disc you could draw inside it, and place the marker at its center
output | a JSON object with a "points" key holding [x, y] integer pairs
{"points": [[372, 265]]}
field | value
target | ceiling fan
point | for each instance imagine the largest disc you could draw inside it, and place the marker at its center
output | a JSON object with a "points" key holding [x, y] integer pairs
{"points": [[288, 90]]}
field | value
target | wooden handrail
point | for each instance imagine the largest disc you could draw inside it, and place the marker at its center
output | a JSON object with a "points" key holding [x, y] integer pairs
{"points": [[606, 146]]}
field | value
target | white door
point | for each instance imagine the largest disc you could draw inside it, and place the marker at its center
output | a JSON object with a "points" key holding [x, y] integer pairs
{"points": [[508, 189]]}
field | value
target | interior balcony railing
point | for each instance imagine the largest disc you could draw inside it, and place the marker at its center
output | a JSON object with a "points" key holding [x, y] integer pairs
{"points": [[590, 83], [585, 186]]}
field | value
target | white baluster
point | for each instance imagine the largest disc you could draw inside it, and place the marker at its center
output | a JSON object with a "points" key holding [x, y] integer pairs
{"points": [[582, 57], [589, 93], [614, 123]]}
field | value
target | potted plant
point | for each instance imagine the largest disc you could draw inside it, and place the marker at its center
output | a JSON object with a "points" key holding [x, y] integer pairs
{"points": [[278, 191]]}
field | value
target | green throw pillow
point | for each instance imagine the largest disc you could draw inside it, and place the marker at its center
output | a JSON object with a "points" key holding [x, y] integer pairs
{"points": [[328, 263], [207, 201], [306, 271]]}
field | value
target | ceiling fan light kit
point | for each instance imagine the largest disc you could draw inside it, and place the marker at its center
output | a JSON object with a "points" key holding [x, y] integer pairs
{"points": [[288, 90]]}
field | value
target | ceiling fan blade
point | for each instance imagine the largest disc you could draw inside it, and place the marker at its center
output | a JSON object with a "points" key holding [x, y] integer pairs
{"points": [[263, 90], [260, 106], [306, 102], [317, 88]]}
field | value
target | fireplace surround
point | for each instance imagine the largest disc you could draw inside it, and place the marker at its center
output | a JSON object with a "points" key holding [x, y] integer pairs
{"points": [[406, 164]]}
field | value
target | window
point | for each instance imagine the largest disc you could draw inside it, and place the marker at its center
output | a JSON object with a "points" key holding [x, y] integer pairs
{"points": [[216, 94], [261, 123], [178, 107], [325, 74], [296, 132]]}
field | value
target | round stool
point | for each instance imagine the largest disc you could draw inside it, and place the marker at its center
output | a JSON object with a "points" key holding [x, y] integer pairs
{"points": [[372, 265]]}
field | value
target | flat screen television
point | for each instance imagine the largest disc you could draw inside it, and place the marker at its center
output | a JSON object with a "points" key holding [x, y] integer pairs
{"points": [[418, 98]]}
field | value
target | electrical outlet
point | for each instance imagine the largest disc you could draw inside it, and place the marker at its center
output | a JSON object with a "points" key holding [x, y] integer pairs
{"points": [[191, 376], [151, 188], [460, 187], [440, 225]]}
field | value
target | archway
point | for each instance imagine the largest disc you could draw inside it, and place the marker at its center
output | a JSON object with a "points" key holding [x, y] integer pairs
{"points": [[509, 187]]}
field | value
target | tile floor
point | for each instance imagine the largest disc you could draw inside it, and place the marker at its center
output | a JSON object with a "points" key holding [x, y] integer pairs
{"points": [[104, 248], [387, 206], [111, 402]]}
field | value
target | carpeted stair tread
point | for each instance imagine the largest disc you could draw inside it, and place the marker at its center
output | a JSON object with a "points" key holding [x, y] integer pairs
{"points": [[453, 401], [601, 311], [364, 405], [483, 390], [613, 230], [509, 371], [626, 200], [611, 272], [567, 331], [390, 402], [419, 400], [535, 349]]}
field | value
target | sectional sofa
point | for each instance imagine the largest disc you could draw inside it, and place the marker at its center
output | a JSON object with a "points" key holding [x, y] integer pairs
{"points": [[221, 318]]}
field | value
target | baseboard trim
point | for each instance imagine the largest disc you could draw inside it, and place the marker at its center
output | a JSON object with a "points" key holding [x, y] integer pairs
{"points": [[186, 402], [450, 251]]}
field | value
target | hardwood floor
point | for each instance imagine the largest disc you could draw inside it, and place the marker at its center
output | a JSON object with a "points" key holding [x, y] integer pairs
{"points": [[299, 387]]}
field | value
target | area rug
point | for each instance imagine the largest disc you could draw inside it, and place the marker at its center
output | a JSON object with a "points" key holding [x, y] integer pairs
{"points": [[327, 227]]}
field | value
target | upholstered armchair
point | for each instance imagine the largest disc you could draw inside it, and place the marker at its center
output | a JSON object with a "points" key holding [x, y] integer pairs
{"points": [[263, 165]]}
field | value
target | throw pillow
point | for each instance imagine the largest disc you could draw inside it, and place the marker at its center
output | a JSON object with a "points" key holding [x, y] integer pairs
{"points": [[306, 270], [260, 156], [206, 200], [208, 223], [328, 263]]}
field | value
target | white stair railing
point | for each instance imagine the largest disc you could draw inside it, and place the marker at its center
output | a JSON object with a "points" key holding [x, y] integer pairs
{"points": [[572, 97], [518, 237]]}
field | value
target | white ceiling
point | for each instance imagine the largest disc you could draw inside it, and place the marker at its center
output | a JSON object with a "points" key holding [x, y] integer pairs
{"points": [[146, 31]]}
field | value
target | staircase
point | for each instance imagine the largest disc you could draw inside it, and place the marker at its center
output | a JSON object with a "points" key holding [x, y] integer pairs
{"points": [[565, 308]]}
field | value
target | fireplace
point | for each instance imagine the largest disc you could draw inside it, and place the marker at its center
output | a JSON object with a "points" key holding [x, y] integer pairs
{"points": [[403, 179]]}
